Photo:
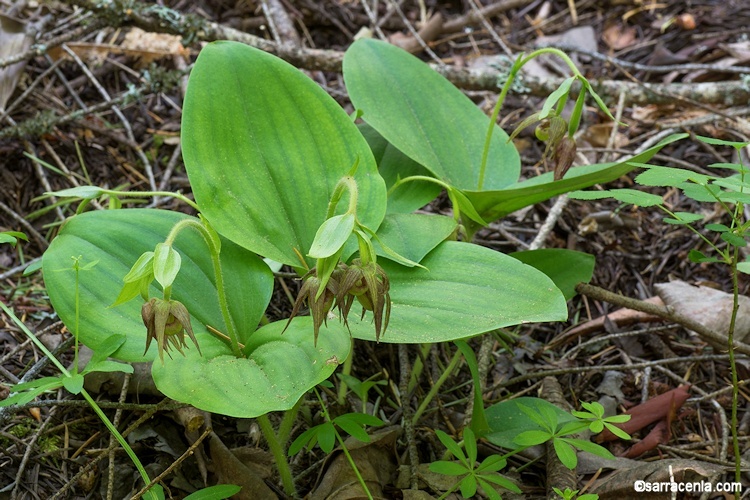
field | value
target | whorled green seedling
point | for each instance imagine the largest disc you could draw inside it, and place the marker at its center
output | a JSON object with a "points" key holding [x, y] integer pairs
{"points": [[731, 194], [472, 475]]}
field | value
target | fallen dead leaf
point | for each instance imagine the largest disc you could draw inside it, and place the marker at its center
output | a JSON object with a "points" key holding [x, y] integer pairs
{"points": [[374, 460], [712, 308], [658, 408], [13, 41], [618, 37], [619, 484]]}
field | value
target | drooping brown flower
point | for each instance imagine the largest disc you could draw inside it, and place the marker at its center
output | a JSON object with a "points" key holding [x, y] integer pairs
{"points": [[319, 304], [369, 284], [564, 154], [167, 321]]}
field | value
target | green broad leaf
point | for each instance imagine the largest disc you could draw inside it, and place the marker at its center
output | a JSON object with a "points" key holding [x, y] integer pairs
{"points": [[617, 431], [265, 157], [85, 192], [699, 257], [360, 419], [571, 428], [73, 384], [697, 192], [117, 238], [12, 237], [743, 267], [448, 468], [730, 166], [331, 236], [426, 117], [491, 493], [166, 264], [597, 99], [307, 439], [452, 446], [33, 267], [555, 96], [669, 176], [493, 463], [720, 142], [565, 452], [719, 228], [596, 427], [590, 447], [326, 437], [143, 268], [734, 197], [492, 205], [218, 492], [107, 347], [683, 218], [465, 290], [618, 419], [6, 238], [734, 183], [566, 268], [734, 239], [506, 419], [500, 481], [412, 235], [630, 196], [278, 370], [394, 165], [352, 423], [596, 408], [28, 391], [470, 443], [107, 366], [468, 486], [532, 438], [465, 206]]}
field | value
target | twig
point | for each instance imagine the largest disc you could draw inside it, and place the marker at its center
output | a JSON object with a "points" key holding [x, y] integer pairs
{"points": [[126, 124], [603, 368], [411, 444], [172, 466], [663, 312], [29, 448]]}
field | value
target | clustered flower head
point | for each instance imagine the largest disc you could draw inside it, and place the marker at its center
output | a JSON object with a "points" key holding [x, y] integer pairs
{"points": [[367, 283], [167, 321]]}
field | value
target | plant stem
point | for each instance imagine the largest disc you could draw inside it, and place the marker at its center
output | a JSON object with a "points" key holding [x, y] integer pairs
{"points": [[214, 250], [347, 370], [278, 454], [520, 62], [347, 183], [120, 439], [733, 367], [353, 464], [436, 387], [179, 196]]}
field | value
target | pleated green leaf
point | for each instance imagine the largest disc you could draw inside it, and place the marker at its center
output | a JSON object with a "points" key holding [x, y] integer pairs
{"points": [[279, 369], [264, 147], [466, 290], [426, 117], [117, 238]]}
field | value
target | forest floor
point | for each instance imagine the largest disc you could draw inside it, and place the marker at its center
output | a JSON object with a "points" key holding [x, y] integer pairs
{"points": [[98, 101]]}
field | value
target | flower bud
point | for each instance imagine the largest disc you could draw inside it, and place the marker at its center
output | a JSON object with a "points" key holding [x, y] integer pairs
{"points": [[564, 154]]}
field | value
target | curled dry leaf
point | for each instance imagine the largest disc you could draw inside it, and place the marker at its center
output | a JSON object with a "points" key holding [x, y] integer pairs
{"points": [[659, 408]]}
